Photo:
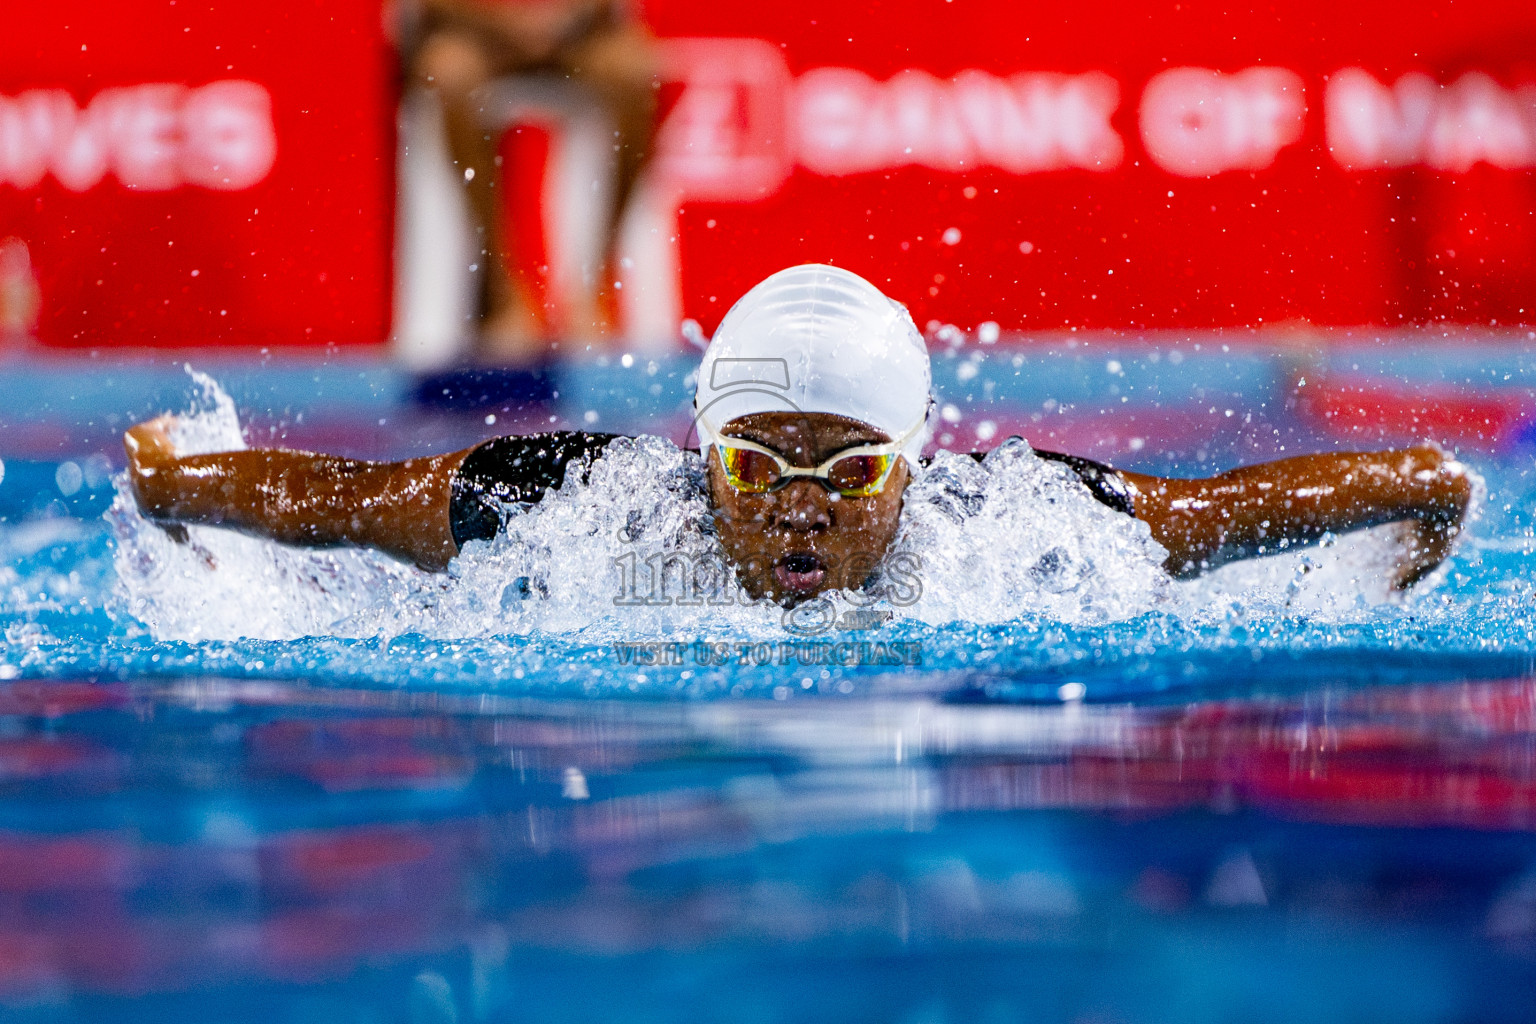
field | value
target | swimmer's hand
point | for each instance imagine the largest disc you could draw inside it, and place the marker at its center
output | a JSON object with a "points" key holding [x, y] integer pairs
{"points": [[151, 453], [151, 457], [1424, 546], [151, 440], [1429, 538]]}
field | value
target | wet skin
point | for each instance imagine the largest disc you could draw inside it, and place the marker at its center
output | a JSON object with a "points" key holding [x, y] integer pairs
{"points": [[801, 540], [401, 508]]}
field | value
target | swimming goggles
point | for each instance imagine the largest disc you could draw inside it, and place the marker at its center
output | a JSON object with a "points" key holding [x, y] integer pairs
{"points": [[853, 472]]}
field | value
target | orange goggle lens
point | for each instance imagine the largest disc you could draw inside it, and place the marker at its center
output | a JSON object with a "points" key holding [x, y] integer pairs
{"points": [[749, 471], [857, 476]]}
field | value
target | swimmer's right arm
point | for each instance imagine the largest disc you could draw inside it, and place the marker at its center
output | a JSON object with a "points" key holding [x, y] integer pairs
{"points": [[401, 508]]}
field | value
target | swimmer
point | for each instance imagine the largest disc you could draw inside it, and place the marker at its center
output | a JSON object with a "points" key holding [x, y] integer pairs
{"points": [[812, 408]]}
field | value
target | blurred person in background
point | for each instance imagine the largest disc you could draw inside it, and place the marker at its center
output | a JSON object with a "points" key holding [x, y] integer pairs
{"points": [[20, 294], [458, 47]]}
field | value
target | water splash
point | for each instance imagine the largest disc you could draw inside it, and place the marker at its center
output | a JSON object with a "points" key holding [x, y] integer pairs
{"points": [[1017, 535], [1013, 538], [211, 423], [552, 570]]}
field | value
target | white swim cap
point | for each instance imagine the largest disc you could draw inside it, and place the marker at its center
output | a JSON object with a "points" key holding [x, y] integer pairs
{"points": [[815, 338]]}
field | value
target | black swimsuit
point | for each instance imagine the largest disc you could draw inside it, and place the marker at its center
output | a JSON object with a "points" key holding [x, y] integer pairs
{"points": [[518, 469]]}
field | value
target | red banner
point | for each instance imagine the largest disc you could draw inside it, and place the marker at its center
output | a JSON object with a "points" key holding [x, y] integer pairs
{"points": [[1109, 164], [190, 174], [176, 174]]}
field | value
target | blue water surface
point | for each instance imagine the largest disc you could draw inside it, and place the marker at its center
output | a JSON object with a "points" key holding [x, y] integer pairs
{"points": [[1254, 814]]}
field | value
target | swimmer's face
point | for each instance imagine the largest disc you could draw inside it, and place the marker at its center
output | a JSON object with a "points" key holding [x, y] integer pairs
{"points": [[795, 542]]}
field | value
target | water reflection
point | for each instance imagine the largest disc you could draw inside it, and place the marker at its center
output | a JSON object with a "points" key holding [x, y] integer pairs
{"points": [[207, 850]]}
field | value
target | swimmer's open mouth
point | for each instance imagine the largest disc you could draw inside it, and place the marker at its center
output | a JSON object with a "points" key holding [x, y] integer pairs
{"points": [[799, 572]]}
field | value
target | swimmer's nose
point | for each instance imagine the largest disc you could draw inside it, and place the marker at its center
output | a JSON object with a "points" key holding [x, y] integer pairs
{"points": [[804, 506]]}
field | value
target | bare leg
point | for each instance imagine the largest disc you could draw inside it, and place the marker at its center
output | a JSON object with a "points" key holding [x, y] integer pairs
{"points": [[454, 65], [621, 67]]}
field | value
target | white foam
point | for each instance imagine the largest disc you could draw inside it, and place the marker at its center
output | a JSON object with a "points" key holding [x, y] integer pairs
{"points": [[1012, 537], [551, 570], [1017, 535], [211, 424]]}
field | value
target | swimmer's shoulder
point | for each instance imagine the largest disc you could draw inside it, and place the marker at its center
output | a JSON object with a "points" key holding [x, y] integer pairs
{"points": [[546, 447], [1103, 481], [514, 470], [519, 467]]}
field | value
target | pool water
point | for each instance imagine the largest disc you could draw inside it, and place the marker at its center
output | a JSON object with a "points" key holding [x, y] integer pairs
{"points": [[1274, 794]]}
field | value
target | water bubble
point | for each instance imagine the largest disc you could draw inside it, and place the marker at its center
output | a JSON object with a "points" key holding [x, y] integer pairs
{"points": [[694, 335], [950, 335], [97, 469], [68, 477]]}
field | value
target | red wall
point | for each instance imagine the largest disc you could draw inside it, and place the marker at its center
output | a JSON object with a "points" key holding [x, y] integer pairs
{"points": [[1293, 235], [300, 256], [1038, 206]]}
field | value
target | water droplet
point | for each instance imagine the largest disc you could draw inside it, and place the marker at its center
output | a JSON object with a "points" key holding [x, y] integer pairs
{"points": [[68, 477]]}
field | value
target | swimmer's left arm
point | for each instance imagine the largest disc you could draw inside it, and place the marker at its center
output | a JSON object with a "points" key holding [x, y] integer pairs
{"points": [[1261, 509]]}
